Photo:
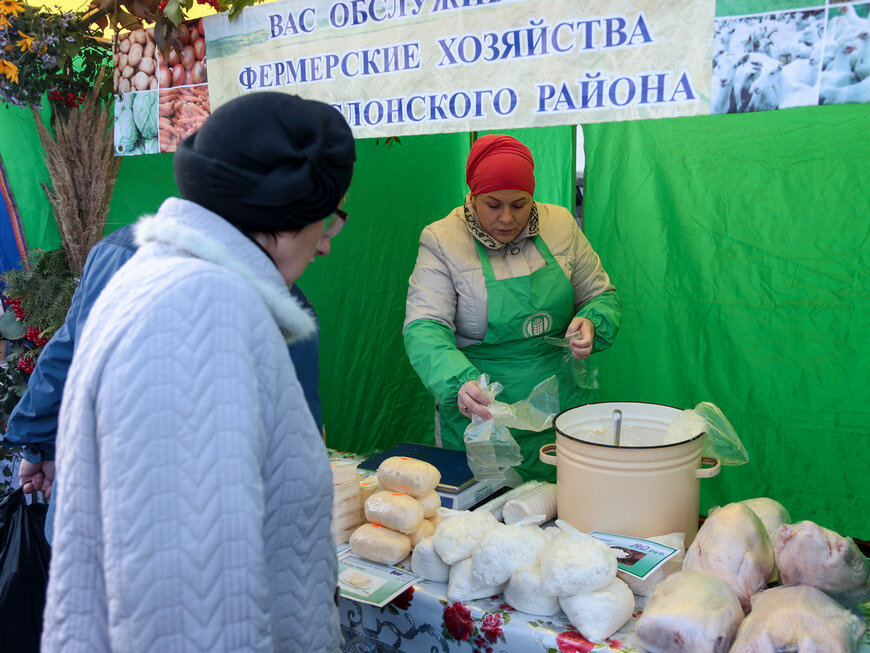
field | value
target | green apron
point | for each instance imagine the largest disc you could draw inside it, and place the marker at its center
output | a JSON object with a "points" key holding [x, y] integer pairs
{"points": [[521, 311]]}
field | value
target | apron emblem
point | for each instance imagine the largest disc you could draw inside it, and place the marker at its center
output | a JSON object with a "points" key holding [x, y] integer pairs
{"points": [[537, 324]]}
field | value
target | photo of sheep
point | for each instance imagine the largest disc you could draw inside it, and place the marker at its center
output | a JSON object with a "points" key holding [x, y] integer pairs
{"points": [[846, 65], [767, 61]]}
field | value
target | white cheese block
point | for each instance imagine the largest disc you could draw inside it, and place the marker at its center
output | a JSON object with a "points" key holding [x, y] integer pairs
{"points": [[524, 592], [599, 614], [574, 563], [428, 564], [463, 586], [504, 549], [457, 537]]}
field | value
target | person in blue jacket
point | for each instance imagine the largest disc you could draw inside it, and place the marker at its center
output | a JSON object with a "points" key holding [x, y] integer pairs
{"points": [[33, 422]]}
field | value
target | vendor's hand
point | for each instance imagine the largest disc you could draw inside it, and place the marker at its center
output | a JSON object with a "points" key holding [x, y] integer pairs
{"points": [[37, 476], [472, 400], [581, 346]]}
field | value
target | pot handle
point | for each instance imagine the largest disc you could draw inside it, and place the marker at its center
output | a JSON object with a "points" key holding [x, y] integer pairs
{"points": [[708, 472], [545, 456]]}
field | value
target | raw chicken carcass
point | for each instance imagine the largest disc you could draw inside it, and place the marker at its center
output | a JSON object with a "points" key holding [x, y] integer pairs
{"points": [[690, 612], [773, 515], [809, 554], [797, 618], [733, 545]]}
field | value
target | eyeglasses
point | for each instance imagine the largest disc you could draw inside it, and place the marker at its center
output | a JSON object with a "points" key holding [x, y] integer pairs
{"points": [[334, 223]]}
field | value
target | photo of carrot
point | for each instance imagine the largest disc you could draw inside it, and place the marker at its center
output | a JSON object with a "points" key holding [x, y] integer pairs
{"points": [[181, 111]]}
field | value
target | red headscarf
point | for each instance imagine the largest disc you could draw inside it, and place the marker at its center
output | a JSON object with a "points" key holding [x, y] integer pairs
{"points": [[499, 162]]}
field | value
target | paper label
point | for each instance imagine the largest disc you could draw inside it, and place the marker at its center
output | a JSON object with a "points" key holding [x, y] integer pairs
{"points": [[369, 582], [636, 556]]}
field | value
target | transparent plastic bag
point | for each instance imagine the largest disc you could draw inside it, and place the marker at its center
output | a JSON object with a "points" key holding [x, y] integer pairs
{"points": [[584, 372], [489, 445], [720, 441]]}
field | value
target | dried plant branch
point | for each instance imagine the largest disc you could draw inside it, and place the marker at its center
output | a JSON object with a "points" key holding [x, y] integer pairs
{"points": [[82, 166]]}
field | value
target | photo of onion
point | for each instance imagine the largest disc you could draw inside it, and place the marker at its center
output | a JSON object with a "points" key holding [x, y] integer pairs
{"points": [[187, 67]]}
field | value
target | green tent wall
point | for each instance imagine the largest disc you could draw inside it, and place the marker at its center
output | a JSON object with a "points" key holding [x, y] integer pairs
{"points": [[739, 245]]}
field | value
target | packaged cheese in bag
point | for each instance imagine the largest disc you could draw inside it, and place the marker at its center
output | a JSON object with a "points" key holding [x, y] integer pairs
{"points": [[395, 510], [379, 544], [408, 475]]}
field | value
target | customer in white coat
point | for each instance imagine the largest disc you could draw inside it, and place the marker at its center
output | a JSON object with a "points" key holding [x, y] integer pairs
{"points": [[195, 500]]}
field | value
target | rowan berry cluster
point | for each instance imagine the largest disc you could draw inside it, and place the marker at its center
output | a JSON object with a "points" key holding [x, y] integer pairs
{"points": [[70, 100]]}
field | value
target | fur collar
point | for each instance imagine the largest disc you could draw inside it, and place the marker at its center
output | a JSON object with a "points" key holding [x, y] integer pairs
{"points": [[198, 232]]}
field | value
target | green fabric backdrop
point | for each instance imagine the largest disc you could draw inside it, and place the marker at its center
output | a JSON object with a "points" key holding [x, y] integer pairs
{"points": [[739, 245]]}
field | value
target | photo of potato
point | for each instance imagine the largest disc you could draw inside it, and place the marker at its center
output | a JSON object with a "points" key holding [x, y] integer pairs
{"points": [[182, 111], [135, 61], [187, 67]]}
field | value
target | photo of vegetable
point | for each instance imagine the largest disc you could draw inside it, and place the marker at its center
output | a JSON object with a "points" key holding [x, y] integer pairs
{"points": [[182, 111], [136, 123], [135, 59], [187, 67], [159, 100]]}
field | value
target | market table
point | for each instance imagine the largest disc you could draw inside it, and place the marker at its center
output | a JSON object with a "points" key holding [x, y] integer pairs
{"points": [[422, 619]]}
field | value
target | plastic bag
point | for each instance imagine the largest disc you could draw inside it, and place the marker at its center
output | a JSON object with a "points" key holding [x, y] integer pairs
{"points": [[720, 441], [584, 372], [24, 557], [489, 445]]}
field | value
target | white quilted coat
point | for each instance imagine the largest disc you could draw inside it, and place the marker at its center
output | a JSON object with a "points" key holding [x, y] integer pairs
{"points": [[194, 490]]}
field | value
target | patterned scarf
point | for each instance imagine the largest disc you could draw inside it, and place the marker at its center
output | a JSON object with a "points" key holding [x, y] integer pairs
{"points": [[473, 224]]}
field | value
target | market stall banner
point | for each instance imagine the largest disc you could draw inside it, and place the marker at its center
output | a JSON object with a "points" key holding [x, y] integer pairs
{"points": [[402, 67]]}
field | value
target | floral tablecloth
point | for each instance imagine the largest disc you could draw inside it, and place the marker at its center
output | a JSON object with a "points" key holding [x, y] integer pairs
{"points": [[422, 619]]}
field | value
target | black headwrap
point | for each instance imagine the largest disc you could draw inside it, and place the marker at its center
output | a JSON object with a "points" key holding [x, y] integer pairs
{"points": [[268, 162]]}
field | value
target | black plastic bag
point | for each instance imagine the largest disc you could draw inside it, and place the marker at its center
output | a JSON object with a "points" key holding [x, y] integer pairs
{"points": [[24, 556]]}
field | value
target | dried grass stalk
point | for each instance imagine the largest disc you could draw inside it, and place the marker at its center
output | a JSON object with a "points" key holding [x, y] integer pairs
{"points": [[82, 166]]}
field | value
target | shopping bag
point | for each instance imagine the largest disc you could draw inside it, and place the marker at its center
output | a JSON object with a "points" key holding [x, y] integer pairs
{"points": [[489, 445], [24, 557]]}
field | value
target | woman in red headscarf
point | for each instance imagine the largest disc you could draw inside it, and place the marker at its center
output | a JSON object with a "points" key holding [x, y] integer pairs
{"points": [[492, 279]]}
